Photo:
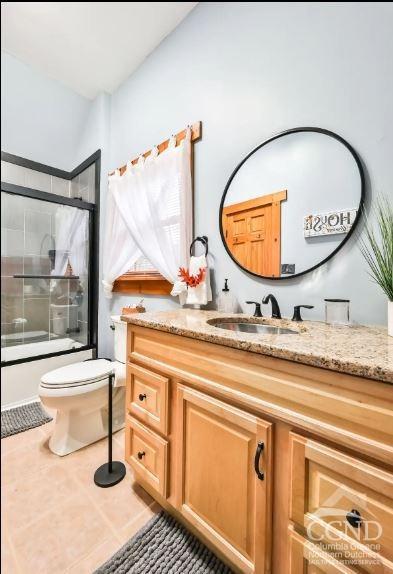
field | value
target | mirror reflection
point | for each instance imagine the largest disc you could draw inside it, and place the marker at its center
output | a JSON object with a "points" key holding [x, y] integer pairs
{"points": [[291, 204]]}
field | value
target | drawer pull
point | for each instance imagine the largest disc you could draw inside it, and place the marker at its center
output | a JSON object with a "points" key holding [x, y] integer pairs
{"points": [[258, 453], [141, 454], [354, 518], [142, 397]]}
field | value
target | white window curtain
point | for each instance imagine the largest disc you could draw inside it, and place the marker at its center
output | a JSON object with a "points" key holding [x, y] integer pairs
{"points": [[149, 213], [72, 239]]}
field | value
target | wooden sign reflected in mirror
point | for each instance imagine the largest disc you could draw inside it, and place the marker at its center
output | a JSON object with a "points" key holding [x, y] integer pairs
{"points": [[252, 230], [292, 203]]}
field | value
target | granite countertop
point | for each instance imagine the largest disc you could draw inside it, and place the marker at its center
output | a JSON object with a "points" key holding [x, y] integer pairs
{"points": [[356, 350]]}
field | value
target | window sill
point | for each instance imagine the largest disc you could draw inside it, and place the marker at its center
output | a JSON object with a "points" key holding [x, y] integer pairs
{"points": [[142, 283]]}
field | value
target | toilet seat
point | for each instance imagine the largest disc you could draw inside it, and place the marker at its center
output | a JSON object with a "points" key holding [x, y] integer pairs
{"points": [[78, 374]]}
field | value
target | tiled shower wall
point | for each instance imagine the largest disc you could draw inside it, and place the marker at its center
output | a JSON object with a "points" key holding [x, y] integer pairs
{"points": [[26, 226], [81, 187], [28, 233]]}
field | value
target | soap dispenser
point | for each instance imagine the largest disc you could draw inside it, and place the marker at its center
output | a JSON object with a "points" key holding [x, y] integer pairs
{"points": [[226, 302]]}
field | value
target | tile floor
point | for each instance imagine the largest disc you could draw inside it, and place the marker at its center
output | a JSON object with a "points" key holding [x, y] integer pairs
{"points": [[54, 519]]}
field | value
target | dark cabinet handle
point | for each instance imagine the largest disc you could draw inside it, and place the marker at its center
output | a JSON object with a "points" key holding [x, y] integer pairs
{"points": [[354, 518], [141, 455], [142, 397], [258, 452], [112, 327]]}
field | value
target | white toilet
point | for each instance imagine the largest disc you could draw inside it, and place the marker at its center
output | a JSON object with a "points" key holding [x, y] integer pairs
{"points": [[79, 393]]}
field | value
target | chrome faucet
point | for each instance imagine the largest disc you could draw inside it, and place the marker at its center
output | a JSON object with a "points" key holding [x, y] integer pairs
{"points": [[276, 313]]}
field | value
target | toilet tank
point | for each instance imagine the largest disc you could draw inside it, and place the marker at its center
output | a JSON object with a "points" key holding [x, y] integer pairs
{"points": [[120, 338]]}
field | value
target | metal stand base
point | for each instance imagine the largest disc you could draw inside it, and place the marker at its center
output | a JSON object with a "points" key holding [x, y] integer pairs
{"points": [[106, 477], [112, 472]]}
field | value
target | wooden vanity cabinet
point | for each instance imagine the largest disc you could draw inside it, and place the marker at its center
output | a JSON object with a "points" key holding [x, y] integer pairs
{"points": [[245, 450], [147, 453], [224, 465], [308, 558]]}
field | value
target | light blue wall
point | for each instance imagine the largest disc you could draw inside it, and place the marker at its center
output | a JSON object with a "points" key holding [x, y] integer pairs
{"points": [[47, 122], [40, 119], [249, 70]]}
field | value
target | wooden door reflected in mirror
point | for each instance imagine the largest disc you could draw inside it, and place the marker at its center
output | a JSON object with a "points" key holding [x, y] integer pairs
{"points": [[292, 203], [252, 230]]}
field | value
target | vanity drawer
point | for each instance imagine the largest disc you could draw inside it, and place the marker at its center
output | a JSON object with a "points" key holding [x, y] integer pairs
{"points": [[328, 486], [147, 397], [307, 558], [147, 453]]}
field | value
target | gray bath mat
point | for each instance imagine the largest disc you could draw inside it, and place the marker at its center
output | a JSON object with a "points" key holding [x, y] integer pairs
{"points": [[163, 546], [23, 418]]}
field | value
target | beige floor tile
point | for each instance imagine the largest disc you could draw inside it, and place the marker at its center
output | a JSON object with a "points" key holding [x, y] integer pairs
{"points": [[8, 563], [96, 558], [21, 440], [132, 528], [54, 516], [60, 538], [48, 488], [84, 462], [32, 457], [122, 503], [119, 437]]}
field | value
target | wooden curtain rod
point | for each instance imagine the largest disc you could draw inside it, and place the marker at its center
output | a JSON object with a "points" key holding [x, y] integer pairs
{"points": [[196, 134]]}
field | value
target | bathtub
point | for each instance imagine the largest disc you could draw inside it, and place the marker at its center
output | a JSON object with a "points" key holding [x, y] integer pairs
{"points": [[19, 383]]}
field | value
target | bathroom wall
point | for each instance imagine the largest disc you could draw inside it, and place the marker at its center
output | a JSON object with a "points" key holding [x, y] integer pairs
{"points": [[48, 123], [250, 70], [247, 70], [42, 120], [51, 124]]}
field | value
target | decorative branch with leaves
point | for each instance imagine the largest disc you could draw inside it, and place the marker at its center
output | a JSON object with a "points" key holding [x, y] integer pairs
{"points": [[377, 247], [192, 280]]}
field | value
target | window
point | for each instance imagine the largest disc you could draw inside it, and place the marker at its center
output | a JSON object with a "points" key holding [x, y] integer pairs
{"points": [[143, 279], [170, 223]]}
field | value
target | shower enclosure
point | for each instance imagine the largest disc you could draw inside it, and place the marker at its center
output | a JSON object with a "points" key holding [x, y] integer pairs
{"points": [[49, 259]]}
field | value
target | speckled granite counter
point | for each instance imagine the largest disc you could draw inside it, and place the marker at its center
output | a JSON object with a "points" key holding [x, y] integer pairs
{"points": [[363, 351]]}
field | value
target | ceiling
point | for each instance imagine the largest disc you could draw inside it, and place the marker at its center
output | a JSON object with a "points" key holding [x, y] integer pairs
{"points": [[88, 46]]}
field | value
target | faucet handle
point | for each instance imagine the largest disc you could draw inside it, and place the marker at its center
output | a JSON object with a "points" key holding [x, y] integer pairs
{"points": [[257, 312], [296, 311]]}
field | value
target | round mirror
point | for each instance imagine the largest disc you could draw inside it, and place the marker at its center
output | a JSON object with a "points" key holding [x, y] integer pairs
{"points": [[292, 203]]}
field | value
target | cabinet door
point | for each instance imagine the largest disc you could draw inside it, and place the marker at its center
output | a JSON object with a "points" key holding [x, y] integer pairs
{"points": [[147, 397], [307, 558], [147, 453], [218, 488], [327, 488]]}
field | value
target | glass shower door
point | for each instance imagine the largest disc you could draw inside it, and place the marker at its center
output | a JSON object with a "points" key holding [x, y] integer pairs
{"points": [[45, 277]]}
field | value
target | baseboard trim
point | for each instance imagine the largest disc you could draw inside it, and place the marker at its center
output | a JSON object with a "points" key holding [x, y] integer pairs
{"points": [[27, 401]]}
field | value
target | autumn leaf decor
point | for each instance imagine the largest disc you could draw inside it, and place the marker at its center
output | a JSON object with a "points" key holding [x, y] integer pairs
{"points": [[192, 280]]}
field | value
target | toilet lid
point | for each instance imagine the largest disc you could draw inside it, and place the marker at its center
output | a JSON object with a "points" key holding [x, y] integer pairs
{"points": [[76, 374]]}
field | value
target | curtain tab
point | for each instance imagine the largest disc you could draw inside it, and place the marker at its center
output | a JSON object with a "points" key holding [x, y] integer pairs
{"points": [[116, 173]]}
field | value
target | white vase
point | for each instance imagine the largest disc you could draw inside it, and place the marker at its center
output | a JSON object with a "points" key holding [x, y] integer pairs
{"points": [[390, 318]]}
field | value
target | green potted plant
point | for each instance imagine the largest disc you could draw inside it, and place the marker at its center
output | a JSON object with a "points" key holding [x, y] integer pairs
{"points": [[377, 249]]}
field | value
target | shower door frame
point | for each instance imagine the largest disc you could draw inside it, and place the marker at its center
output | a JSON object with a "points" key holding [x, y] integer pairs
{"points": [[94, 213]]}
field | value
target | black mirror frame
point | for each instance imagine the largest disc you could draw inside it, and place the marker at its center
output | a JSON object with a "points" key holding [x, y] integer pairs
{"points": [[348, 235]]}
